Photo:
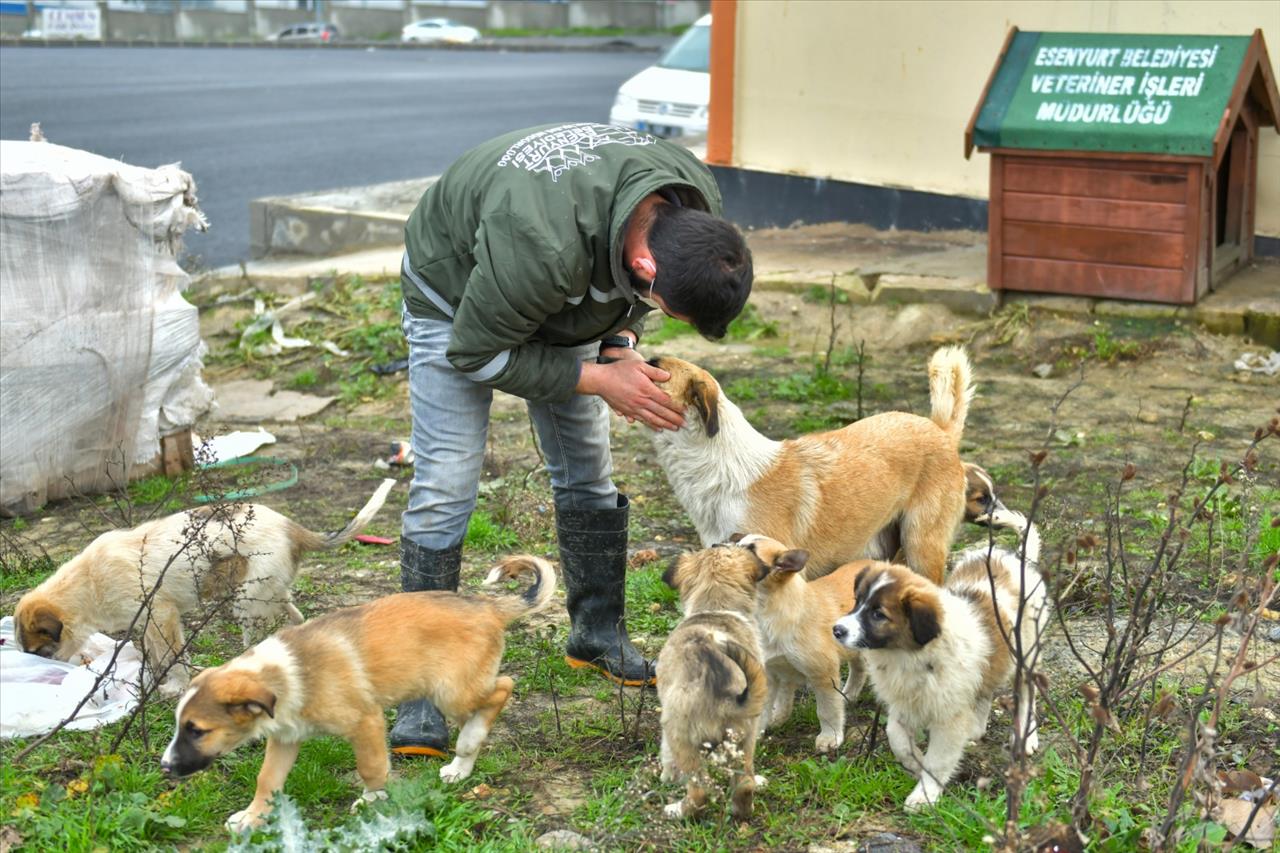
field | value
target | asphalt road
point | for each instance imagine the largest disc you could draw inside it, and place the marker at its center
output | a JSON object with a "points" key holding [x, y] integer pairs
{"points": [[256, 122]]}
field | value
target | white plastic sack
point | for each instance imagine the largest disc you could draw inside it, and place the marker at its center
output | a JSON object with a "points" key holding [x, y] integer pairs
{"points": [[38, 693], [100, 354]]}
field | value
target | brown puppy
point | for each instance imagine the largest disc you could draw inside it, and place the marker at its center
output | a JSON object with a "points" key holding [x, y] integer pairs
{"points": [[829, 493], [711, 678], [936, 655], [336, 674], [980, 500], [795, 617], [247, 552]]}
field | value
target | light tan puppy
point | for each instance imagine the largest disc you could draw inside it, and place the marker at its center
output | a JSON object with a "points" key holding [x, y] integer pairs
{"points": [[828, 493], [795, 618], [711, 678], [248, 553], [937, 655], [336, 674]]}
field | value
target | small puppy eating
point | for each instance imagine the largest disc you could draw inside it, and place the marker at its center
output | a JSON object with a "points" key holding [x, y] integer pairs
{"points": [[246, 552], [936, 655], [711, 678], [336, 674], [794, 617], [830, 493]]}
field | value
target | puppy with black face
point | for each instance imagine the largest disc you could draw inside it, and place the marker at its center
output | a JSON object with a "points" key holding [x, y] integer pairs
{"points": [[335, 675], [936, 655], [794, 616], [711, 677]]}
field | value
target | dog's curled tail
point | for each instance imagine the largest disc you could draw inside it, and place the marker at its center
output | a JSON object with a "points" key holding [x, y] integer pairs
{"points": [[309, 540], [950, 390], [1005, 517], [731, 669], [533, 599]]}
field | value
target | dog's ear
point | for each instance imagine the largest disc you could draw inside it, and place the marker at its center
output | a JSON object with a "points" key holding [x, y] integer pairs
{"points": [[791, 561], [705, 397], [922, 616], [250, 698], [670, 576], [737, 537], [45, 621]]}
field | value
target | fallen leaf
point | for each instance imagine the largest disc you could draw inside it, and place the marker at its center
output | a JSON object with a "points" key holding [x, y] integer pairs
{"points": [[1238, 781], [644, 555], [480, 792], [1233, 813]]}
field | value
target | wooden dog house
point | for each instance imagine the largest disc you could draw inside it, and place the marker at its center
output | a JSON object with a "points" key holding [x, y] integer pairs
{"points": [[1122, 166]]}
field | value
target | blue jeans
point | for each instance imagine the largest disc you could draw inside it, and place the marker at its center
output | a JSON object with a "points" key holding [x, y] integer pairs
{"points": [[451, 423]]}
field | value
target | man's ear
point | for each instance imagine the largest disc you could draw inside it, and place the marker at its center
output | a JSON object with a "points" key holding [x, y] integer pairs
{"points": [[922, 616], [791, 561], [705, 397], [645, 268]]}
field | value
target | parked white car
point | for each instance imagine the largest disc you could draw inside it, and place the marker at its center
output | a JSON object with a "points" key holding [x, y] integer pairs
{"points": [[439, 29], [670, 98]]}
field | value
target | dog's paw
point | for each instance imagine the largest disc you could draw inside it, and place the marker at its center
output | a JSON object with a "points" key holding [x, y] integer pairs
{"points": [[828, 741], [674, 811], [243, 821], [1032, 743], [366, 798], [761, 782], [454, 771], [918, 800], [669, 774], [172, 687]]}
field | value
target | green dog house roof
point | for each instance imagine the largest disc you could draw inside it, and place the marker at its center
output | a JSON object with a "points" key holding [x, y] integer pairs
{"points": [[1103, 92]]}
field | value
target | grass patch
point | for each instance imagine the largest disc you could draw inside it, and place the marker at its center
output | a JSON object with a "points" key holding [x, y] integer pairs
{"points": [[485, 534]]}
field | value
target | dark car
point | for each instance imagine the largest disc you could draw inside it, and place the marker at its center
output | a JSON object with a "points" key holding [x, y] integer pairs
{"points": [[317, 32]]}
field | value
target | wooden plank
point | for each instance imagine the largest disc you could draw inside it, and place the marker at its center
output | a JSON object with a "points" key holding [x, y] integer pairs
{"points": [[1092, 245], [1041, 275], [995, 222], [1195, 269], [724, 40], [1094, 158], [1102, 212], [1134, 184]]}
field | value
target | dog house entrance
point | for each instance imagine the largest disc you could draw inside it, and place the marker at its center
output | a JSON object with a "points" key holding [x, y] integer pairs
{"points": [[1230, 196]]}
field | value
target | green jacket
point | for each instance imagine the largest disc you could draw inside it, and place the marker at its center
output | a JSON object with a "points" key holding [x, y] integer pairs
{"points": [[519, 244]]}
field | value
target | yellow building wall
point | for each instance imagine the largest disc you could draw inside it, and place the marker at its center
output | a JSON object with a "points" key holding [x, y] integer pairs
{"points": [[880, 92]]}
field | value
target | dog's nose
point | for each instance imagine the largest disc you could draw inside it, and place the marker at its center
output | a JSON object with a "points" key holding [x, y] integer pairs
{"points": [[839, 631]]}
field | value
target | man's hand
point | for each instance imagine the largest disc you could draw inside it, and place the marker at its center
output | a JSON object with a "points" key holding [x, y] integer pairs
{"points": [[627, 386]]}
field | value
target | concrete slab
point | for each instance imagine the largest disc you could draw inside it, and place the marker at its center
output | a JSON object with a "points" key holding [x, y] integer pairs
{"points": [[962, 295], [251, 401]]}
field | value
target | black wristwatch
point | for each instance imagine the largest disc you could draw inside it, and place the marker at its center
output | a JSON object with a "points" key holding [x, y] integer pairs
{"points": [[617, 341]]}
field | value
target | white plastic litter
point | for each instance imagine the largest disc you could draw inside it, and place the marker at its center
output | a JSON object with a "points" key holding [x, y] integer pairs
{"points": [[100, 355], [39, 693], [233, 445], [1259, 363]]}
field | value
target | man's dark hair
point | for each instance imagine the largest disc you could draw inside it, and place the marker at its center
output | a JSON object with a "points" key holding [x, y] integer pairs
{"points": [[704, 266]]}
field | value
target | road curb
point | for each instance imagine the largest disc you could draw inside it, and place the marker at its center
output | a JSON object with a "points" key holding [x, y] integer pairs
{"points": [[523, 47]]}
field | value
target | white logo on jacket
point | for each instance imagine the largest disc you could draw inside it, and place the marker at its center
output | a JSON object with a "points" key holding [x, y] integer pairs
{"points": [[559, 149]]}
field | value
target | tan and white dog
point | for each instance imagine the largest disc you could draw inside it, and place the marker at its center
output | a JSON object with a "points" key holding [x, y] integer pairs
{"points": [[795, 617], [711, 678], [336, 674], [247, 553], [828, 493], [937, 655]]}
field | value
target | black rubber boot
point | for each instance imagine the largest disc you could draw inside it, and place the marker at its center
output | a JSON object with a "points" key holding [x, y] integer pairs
{"points": [[420, 728], [593, 560]]}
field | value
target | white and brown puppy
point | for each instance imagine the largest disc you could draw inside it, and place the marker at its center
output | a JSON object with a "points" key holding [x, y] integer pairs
{"points": [[795, 617], [248, 553], [828, 493], [335, 675], [711, 677], [936, 655]]}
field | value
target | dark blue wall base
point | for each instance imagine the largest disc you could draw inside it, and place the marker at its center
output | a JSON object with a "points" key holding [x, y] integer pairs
{"points": [[769, 200]]}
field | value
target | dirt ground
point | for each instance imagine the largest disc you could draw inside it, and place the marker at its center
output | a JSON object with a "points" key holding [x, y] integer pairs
{"points": [[1150, 393]]}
